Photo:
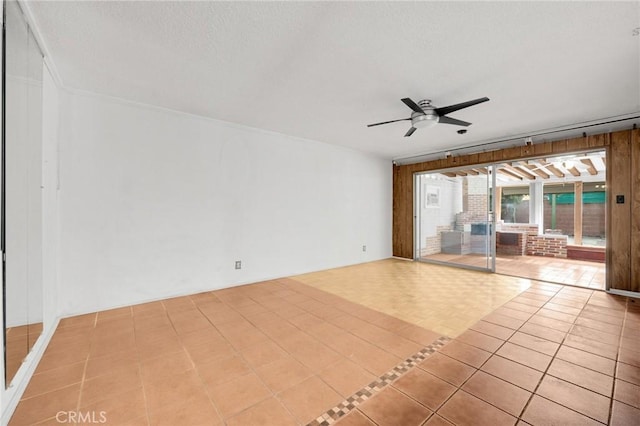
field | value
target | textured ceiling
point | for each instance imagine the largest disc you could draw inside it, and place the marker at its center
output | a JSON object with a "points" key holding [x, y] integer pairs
{"points": [[323, 70]]}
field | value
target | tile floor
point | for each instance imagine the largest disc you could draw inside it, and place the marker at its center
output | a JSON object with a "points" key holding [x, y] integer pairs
{"points": [[562, 271], [283, 352], [444, 299], [553, 355]]}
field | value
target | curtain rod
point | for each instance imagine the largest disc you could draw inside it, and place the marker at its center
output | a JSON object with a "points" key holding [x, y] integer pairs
{"points": [[516, 138]]}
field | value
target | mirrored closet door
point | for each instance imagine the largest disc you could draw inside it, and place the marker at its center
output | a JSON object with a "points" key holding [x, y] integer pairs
{"points": [[21, 188]]}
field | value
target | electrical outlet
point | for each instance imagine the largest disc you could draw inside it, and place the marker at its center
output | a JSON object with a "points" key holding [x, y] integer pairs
{"points": [[238, 264], [364, 248]]}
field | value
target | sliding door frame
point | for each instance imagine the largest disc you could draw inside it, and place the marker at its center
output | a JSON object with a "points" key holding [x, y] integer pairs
{"points": [[491, 217]]}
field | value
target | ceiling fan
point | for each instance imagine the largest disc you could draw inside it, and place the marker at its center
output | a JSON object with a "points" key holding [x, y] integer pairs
{"points": [[426, 115]]}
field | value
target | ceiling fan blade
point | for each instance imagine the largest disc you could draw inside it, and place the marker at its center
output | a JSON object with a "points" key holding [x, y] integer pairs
{"points": [[387, 122], [448, 120], [414, 106], [410, 132], [451, 108]]}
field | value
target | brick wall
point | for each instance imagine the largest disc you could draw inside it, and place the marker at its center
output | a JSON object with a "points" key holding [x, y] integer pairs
{"points": [[592, 217], [517, 249], [433, 244], [547, 245], [518, 227]]}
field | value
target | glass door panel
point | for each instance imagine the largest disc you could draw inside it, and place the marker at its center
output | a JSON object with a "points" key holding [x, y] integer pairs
{"points": [[454, 217]]}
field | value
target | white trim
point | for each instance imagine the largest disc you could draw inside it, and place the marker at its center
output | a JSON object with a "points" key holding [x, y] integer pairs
{"points": [[12, 394], [626, 293], [416, 223], [491, 171], [2, 364]]}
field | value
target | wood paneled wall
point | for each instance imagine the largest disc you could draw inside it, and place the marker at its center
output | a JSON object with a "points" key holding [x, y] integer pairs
{"points": [[634, 235], [623, 165], [623, 227]]}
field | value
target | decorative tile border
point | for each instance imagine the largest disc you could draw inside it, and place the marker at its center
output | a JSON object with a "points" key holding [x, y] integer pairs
{"points": [[334, 414]]}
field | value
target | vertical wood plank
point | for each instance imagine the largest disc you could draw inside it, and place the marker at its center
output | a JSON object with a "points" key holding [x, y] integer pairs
{"points": [[485, 157], [542, 148], [618, 225], [577, 144], [635, 211], [402, 212], [577, 213], [559, 147]]}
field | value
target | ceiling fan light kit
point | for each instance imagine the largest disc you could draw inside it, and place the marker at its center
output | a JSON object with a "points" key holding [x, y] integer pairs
{"points": [[425, 115], [427, 118]]}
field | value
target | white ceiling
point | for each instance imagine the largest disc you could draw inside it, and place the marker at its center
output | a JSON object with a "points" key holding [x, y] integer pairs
{"points": [[324, 70]]}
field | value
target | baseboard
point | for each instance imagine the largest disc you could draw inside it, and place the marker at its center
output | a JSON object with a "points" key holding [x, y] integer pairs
{"points": [[624, 293], [402, 258]]}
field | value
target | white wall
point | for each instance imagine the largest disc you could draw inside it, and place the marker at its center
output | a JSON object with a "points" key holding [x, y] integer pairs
{"points": [[156, 203], [445, 213]]}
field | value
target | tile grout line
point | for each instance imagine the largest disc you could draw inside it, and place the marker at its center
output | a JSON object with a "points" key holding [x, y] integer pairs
{"points": [[332, 415]]}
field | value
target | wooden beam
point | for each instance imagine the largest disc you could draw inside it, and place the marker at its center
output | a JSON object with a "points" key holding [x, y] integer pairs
{"points": [[535, 170], [449, 174], [551, 168], [590, 167], [460, 173], [574, 171], [482, 170], [577, 213], [510, 174], [473, 172], [520, 171]]}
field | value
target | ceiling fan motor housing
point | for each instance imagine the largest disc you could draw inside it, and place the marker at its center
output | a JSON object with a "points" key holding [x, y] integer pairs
{"points": [[428, 119]]}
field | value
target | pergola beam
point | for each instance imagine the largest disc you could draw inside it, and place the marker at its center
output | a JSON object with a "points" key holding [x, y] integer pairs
{"points": [[510, 174], [574, 171], [553, 169], [535, 170], [590, 167], [520, 171]]}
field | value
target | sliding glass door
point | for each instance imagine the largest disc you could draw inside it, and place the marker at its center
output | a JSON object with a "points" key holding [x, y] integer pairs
{"points": [[454, 217]]}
